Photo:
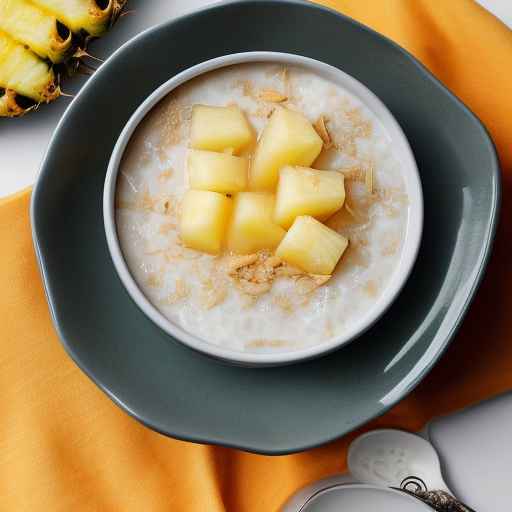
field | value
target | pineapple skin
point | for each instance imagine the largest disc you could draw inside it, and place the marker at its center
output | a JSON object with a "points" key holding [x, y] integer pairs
{"points": [[24, 72], [8, 105], [312, 246], [34, 27]]}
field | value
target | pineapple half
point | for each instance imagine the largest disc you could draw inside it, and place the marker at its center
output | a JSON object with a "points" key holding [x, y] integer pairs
{"points": [[39, 39]]}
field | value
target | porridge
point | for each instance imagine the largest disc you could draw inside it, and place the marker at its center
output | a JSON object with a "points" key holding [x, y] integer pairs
{"points": [[261, 208]]}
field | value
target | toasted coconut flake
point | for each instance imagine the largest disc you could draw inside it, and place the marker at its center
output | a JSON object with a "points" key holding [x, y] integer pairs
{"points": [[289, 271], [247, 87], [154, 280], [309, 283], [248, 301], [320, 279], [360, 126], [165, 175], [273, 262], [181, 291], [321, 129], [350, 211], [253, 269], [272, 96], [355, 174], [266, 343], [233, 263], [264, 111], [121, 204], [213, 293], [369, 179], [251, 288], [285, 79]]}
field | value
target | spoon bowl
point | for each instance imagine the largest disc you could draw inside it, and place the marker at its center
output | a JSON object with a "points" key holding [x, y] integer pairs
{"points": [[391, 457]]}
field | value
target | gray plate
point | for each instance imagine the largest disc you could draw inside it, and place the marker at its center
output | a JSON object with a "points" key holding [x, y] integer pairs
{"points": [[275, 410]]}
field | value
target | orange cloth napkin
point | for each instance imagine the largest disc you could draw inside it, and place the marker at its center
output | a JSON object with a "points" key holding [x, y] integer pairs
{"points": [[65, 446]]}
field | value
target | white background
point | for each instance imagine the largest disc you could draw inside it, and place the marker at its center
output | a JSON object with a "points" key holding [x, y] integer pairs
{"points": [[23, 141]]}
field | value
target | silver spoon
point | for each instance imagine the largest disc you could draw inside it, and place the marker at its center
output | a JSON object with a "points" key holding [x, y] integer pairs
{"points": [[398, 459]]}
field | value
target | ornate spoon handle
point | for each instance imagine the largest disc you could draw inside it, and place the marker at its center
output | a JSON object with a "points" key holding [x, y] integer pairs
{"points": [[438, 500]]}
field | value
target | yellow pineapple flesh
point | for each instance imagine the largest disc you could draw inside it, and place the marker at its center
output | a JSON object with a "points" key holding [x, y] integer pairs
{"points": [[80, 15], [252, 227], [37, 44], [312, 246], [305, 191], [24, 72], [34, 27], [287, 139], [219, 129], [203, 220], [218, 172]]}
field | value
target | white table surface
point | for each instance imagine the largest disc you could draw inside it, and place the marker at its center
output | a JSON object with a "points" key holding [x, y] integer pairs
{"points": [[23, 141]]}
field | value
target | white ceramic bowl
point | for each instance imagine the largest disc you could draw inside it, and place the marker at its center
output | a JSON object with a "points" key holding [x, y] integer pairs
{"points": [[402, 152]]}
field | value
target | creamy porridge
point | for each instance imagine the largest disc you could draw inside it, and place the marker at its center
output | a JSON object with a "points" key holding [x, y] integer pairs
{"points": [[254, 300]]}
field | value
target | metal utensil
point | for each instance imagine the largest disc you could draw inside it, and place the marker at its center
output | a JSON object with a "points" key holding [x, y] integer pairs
{"points": [[404, 461]]}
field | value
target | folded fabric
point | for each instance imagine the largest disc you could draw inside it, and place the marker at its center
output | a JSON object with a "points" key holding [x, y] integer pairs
{"points": [[65, 446]]}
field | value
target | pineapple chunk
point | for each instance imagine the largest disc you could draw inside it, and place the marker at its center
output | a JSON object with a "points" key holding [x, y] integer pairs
{"points": [[304, 191], [219, 172], [252, 227], [287, 139], [85, 15], [311, 246], [219, 128], [24, 72], [204, 217], [34, 27]]}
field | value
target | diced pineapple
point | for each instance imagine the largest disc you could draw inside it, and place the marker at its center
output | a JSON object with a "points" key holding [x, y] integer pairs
{"points": [[287, 139], [204, 218], [219, 128], [312, 246], [218, 172], [305, 191], [252, 227]]}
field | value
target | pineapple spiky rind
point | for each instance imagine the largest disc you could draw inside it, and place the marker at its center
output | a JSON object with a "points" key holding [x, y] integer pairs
{"points": [[8, 105]]}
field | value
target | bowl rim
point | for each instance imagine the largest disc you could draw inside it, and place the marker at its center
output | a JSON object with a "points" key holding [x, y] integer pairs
{"points": [[410, 246]]}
